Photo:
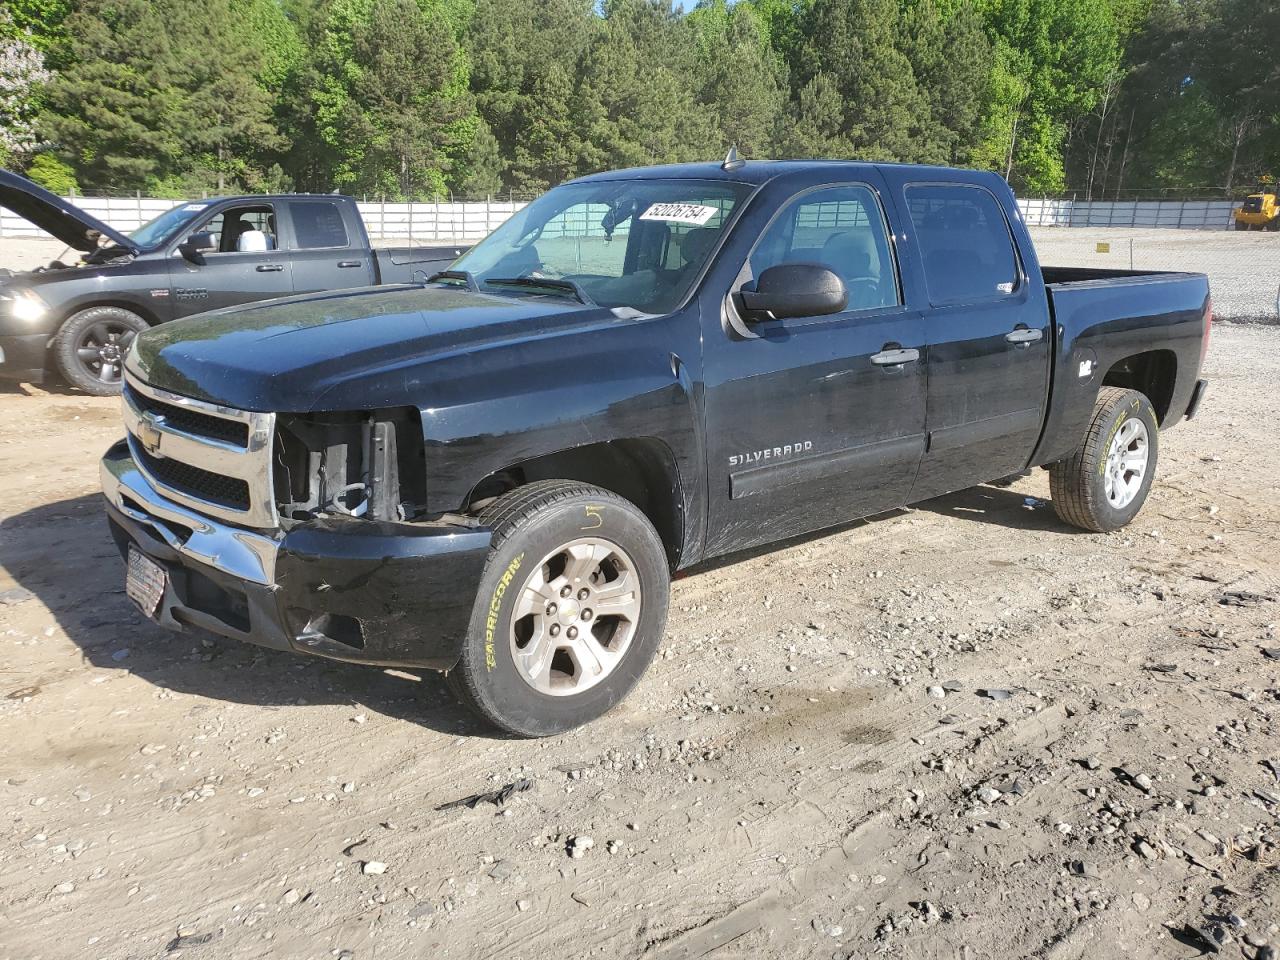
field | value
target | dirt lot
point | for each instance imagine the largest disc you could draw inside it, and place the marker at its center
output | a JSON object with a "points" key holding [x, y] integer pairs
{"points": [[782, 784]]}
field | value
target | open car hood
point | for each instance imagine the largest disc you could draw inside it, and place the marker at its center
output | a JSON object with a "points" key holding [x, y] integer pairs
{"points": [[54, 215]]}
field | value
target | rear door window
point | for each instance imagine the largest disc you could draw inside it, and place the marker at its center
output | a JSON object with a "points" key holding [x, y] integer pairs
{"points": [[964, 243], [317, 224]]}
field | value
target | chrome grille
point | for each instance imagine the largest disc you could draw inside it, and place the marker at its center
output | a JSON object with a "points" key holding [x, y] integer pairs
{"points": [[214, 459], [192, 421]]}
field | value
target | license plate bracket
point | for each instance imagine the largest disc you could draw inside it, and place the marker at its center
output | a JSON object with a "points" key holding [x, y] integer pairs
{"points": [[144, 581]]}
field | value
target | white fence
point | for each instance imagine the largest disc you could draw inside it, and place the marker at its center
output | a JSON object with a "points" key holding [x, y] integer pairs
{"points": [[1170, 214], [417, 222], [463, 221]]}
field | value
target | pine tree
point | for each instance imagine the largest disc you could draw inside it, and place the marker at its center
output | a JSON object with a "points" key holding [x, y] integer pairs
{"points": [[951, 59], [115, 111], [737, 77], [409, 104], [855, 42], [226, 124]]}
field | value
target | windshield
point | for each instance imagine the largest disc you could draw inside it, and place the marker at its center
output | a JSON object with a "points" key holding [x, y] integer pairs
{"points": [[157, 231], [618, 243]]}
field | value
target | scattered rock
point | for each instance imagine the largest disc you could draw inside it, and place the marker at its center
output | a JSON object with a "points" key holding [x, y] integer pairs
{"points": [[15, 595], [501, 870], [995, 693], [373, 868], [1243, 598], [579, 846]]}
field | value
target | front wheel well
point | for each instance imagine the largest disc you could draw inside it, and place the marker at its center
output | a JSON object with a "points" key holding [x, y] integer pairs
{"points": [[641, 470], [141, 311], [1152, 374]]}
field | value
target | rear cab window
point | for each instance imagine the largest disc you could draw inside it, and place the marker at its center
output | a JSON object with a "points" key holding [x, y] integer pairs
{"points": [[965, 247], [318, 225]]}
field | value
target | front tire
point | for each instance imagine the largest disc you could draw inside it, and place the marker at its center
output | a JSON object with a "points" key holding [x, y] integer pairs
{"points": [[91, 346], [570, 611], [1102, 486]]}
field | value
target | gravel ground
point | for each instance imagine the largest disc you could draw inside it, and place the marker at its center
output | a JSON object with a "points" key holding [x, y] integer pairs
{"points": [[1243, 268], [960, 730]]}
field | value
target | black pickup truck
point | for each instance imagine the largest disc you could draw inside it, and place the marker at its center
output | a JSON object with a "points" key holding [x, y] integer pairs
{"points": [[197, 256], [497, 474]]}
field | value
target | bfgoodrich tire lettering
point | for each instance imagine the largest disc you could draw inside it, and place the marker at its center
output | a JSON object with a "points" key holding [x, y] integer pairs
{"points": [[540, 531], [1102, 486]]}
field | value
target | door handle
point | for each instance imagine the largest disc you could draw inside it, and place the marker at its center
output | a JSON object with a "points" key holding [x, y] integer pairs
{"points": [[348, 263], [1022, 336], [269, 267], [895, 357]]}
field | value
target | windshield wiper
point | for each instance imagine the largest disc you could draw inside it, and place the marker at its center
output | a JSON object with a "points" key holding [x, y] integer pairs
{"points": [[547, 283], [464, 275]]}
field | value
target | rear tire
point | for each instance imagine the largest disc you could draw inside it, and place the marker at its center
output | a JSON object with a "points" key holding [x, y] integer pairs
{"points": [[1102, 486], [570, 610], [91, 345]]}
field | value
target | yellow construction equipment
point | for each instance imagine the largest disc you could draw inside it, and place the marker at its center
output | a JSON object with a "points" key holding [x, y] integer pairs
{"points": [[1260, 210]]}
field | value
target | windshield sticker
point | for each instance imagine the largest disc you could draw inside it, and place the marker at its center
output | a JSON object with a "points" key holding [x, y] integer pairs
{"points": [[694, 213], [194, 207]]}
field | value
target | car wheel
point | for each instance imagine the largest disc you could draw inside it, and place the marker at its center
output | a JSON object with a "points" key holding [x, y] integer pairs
{"points": [[1103, 485], [570, 611], [91, 346]]}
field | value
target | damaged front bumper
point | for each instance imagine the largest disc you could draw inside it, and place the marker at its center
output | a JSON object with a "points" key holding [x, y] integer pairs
{"points": [[366, 591]]}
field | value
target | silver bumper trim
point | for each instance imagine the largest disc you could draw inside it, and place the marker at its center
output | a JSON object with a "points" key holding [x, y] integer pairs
{"points": [[238, 553]]}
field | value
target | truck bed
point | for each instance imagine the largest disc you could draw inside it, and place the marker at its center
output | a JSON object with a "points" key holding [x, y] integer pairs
{"points": [[1057, 276], [1101, 316]]}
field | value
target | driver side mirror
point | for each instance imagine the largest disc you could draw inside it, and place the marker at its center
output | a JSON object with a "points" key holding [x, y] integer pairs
{"points": [[197, 244], [794, 290]]}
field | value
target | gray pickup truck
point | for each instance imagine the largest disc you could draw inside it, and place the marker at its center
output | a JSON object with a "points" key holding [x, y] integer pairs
{"points": [[197, 256]]}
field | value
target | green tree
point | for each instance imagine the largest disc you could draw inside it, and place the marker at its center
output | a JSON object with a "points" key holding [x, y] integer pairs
{"points": [[1053, 59], [737, 77], [226, 124], [546, 150], [815, 124], [856, 44], [115, 111], [951, 58], [634, 91], [407, 116], [521, 53], [480, 173]]}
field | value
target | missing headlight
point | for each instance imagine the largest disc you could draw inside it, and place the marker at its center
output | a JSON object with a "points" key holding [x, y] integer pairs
{"points": [[350, 464]]}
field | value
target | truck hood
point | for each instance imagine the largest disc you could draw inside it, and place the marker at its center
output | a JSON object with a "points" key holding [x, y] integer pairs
{"points": [[52, 214], [361, 349]]}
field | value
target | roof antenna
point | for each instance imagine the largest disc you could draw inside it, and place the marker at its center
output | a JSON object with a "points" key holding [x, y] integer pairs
{"points": [[732, 161]]}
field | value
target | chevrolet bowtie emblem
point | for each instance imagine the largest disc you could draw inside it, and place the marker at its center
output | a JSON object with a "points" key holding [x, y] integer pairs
{"points": [[149, 433]]}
